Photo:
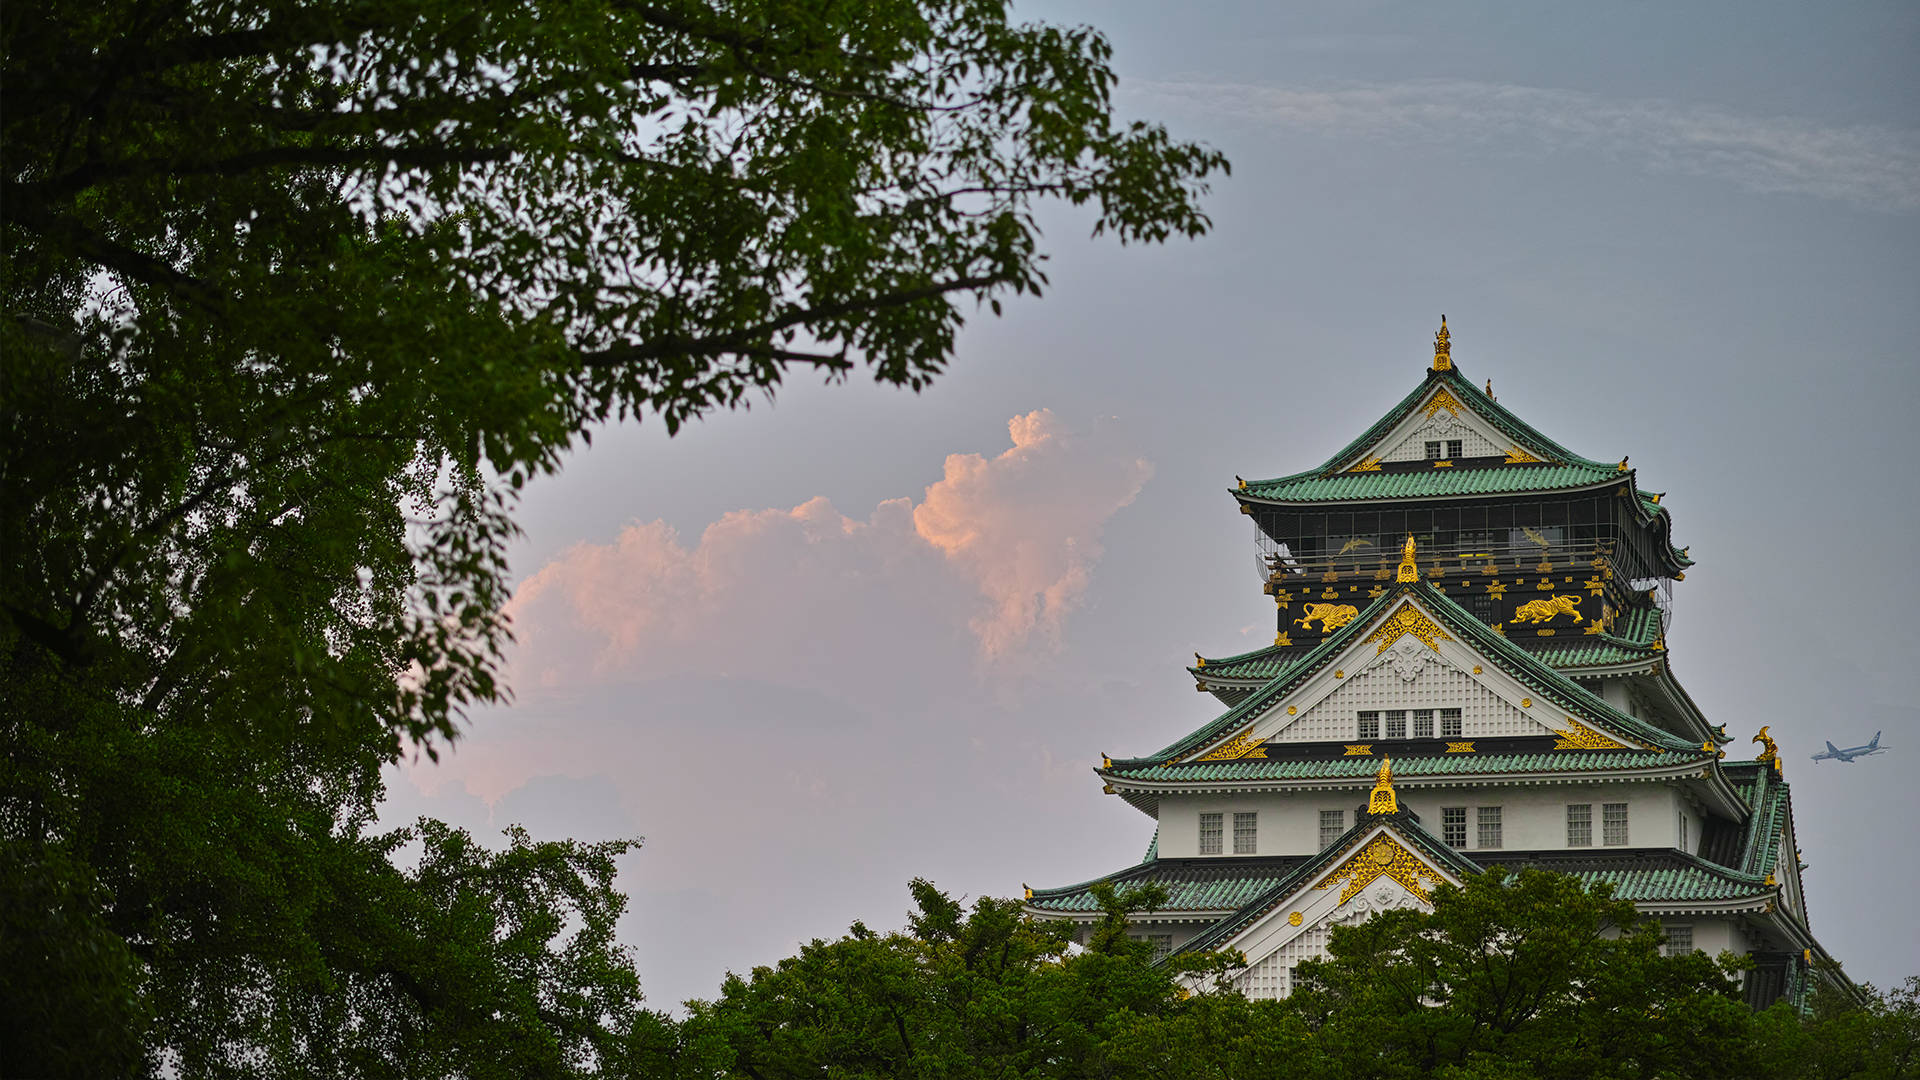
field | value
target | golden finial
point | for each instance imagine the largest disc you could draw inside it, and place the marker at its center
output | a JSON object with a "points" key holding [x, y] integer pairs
{"points": [[1442, 348], [1623, 466], [1199, 661], [1028, 889], [1772, 752], [1105, 761], [1383, 800], [1408, 571]]}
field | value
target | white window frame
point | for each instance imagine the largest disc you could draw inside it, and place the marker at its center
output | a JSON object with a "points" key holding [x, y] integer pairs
{"points": [[1368, 724], [1450, 723], [1611, 815], [1489, 831], [1448, 826], [1212, 831], [1679, 940], [1246, 832], [1580, 824], [1333, 825], [1423, 723]]}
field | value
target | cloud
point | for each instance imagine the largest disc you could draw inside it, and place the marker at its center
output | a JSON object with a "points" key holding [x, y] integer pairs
{"points": [[993, 558], [1025, 526], [1870, 166]]}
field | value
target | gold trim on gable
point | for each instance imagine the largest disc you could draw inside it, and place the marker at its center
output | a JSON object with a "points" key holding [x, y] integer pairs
{"points": [[1383, 856], [1240, 746], [1577, 737], [1407, 619]]}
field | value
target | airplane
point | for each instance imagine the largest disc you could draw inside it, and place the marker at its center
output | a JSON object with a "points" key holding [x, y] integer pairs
{"points": [[1852, 752]]}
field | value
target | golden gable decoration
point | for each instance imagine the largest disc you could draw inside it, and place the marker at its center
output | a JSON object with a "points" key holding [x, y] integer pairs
{"points": [[1442, 399], [1240, 746], [1407, 620], [1577, 737], [1383, 856]]}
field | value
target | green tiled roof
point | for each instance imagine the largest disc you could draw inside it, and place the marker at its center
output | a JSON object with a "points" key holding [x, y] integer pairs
{"points": [[1192, 884], [1317, 486], [1363, 768], [1646, 877], [1766, 792], [1260, 664], [1594, 651], [1560, 470], [1472, 631]]}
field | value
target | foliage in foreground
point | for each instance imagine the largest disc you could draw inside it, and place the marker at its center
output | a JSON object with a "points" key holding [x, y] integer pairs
{"points": [[294, 297], [1511, 976]]}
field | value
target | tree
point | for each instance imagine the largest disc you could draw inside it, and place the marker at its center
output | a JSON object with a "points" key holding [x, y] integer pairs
{"points": [[1843, 1040], [296, 297], [1522, 975], [988, 992]]}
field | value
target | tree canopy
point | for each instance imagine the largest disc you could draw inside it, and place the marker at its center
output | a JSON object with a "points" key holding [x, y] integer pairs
{"points": [[1531, 975], [296, 297]]}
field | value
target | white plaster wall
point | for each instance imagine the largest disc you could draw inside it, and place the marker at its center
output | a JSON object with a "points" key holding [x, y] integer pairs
{"points": [[1712, 936], [1532, 818], [1535, 818], [1289, 822]]}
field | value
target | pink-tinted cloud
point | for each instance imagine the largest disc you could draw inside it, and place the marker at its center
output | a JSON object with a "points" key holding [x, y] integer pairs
{"points": [[1025, 526], [993, 558]]}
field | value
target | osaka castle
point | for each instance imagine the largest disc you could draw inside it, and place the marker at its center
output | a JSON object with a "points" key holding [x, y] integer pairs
{"points": [[1470, 671]]}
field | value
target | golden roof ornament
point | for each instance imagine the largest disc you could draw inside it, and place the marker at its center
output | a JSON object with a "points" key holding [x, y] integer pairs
{"points": [[1772, 752], [1443, 348], [1408, 571], [1383, 800]]}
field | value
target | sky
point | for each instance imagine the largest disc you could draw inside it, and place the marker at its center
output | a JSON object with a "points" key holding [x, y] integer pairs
{"points": [[854, 636]]}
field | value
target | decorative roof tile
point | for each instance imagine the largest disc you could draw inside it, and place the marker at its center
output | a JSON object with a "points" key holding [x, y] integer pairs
{"points": [[1212, 884], [1361, 768]]}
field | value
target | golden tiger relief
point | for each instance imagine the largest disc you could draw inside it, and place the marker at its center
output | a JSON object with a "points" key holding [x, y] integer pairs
{"points": [[1330, 616], [1535, 611]]}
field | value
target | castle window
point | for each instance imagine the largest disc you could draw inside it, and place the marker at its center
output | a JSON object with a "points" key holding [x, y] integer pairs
{"points": [[1332, 824], [1245, 833], [1210, 832], [1433, 451], [1613, 824], [1481, 604], [1423, 723], [1683, 832], [1453, 826], [1396, 723], [1162, 944], [1369, 725], [1455, 448], [1679, 940], [1489, 823], [1580, 824], [1449, 723]]}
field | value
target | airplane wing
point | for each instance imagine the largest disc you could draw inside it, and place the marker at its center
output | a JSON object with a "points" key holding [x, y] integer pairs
{"points": [[1833, 750]]}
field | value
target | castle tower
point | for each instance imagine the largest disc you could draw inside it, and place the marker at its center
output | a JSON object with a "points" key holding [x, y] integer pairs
{"points": [[1460, 593]]}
